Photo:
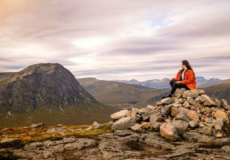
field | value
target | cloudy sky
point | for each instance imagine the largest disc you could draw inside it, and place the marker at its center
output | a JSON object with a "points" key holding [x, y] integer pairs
{"points": [[117, 39]]}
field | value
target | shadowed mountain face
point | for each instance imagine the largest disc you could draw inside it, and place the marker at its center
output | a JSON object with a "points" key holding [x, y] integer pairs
{"points": [[46, 86], [221, 91]]}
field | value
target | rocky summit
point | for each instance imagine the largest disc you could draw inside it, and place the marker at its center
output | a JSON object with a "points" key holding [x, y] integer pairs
{"points": [[188, 113]]}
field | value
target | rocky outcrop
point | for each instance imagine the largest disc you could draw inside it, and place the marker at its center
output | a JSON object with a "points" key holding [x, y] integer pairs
{"points": [[187, 111]]}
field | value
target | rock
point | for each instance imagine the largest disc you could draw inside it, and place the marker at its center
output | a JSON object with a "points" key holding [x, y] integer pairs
{"points": [[188, 93], [167, 100], [186, 104], [207, 101], [193, 124], [124, 123], [224, 104], [201, 124], [166, 110], [96, 125], [156, 118], [182, 116], [137, 127], [179, 153], [219, 134], [38, 125], [197, 137], [145, 124], [89, 128], [221, 114], [218, 123], [156, 125], [179, 92], [174, 111], [150, 108], [200, 91], [168, 131], [209, 121], [58, 130], [147, 115], [191, 101], [195, 92], [199, 99], [158, 103], [80, 143], [33, 146], [111, 149], [191, 114], [207, 130], [180, 125], [10, 142], [134, 111], [226, 149], [215, 100], [123, 133], [154, 140], [120, 114]]}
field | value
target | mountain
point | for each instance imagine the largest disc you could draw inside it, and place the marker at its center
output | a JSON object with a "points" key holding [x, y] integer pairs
{"points": [[221, 91], [49, 93], [164, 83], [111, 92]]}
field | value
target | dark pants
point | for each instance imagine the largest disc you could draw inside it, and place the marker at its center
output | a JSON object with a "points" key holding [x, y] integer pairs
{"points": [[174, 86]]}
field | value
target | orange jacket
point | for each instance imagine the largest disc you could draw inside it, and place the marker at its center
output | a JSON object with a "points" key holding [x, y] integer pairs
{"points": [[189, 78]]}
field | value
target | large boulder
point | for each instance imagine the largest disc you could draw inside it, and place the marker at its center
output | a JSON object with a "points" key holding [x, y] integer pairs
{"points": [[224, 104], [124, 123], [179, 92], [119, 114], [222, 114], [182, 116], [207, 101], [168, 131], [167, 100], [180, 125]]}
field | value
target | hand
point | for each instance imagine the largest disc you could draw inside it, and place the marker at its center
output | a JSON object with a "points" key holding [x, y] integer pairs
{"points": [[178, 82], [170, 80]]}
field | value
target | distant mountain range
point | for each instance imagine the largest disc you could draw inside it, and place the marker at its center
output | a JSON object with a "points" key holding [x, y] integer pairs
{"points": [[164, 83], [111, 92], [126, 94]]}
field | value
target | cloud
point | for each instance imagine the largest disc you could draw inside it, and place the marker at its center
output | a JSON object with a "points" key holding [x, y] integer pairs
{"points": [[117, 39]]}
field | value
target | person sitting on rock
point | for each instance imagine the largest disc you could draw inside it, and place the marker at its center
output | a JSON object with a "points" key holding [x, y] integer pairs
{"points": [[185, 78]]}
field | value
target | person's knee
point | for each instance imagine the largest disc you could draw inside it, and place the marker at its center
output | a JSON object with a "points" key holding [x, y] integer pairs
{"points": [[172, 82], [175, 84]]}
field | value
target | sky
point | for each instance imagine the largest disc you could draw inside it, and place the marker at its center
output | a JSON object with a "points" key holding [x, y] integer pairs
{"points": [[117, 39]]}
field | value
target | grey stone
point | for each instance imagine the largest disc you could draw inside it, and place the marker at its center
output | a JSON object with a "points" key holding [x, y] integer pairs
{"points": [[180, 125], [179, 92], [38, 125], [182, 116], [218, 123], [124, 123], [193, 124], [167, 100], [119, 114]]}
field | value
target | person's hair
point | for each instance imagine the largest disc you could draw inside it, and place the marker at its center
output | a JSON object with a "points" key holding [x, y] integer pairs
{"points": [[186, 63]]}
